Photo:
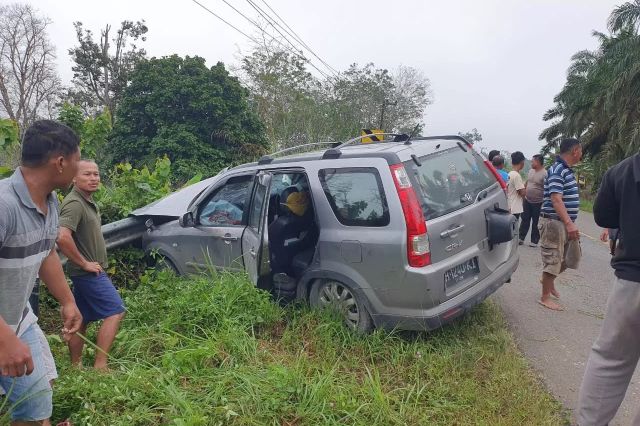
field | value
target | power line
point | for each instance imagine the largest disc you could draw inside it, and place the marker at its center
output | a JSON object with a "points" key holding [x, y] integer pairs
{"points": [[263, 31], [297, 37], [222, 19]]}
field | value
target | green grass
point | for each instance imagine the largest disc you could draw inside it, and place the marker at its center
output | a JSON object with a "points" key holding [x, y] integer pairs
{"points": [[209, 351], [586, 205]]}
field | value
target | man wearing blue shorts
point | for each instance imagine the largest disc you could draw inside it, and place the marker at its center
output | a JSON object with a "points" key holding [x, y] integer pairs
{"points": [[28, 229], [80, 239]]}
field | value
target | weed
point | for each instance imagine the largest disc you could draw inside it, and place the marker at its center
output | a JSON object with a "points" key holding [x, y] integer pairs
{"points": [[210, 351]]}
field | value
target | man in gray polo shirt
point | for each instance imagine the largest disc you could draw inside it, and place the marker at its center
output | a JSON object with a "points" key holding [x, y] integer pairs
{"points": [[28, 231]]}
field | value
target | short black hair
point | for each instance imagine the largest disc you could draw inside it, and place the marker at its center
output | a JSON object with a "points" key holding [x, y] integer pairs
{"points": [[568, 144], [539, 157], [497, 161], [45, 139], [492, 154], [517, 157]]}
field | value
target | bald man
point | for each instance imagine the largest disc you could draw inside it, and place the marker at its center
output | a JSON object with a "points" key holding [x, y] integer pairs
{"points": [[80, 239]]}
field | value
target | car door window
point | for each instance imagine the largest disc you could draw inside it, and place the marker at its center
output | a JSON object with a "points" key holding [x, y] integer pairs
{"points": [[256, 207], [227, 205]]}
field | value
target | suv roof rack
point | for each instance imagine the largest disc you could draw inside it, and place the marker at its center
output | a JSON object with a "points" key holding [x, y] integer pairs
{"points": [[335, 152], [268, 158]]}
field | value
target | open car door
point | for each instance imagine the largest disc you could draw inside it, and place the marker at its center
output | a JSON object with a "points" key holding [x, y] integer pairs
{"points": [[255, 239]]}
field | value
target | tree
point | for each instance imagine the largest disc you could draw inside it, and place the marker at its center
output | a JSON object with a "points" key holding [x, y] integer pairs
{"points": [[29, 84], [472, 136], [93, 131], [199, 117], [599, 102], [9, 141], [101, 71]]}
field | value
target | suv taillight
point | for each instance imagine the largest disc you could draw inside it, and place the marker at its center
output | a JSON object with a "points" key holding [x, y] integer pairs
{"points": [[417, 238], [503, 184]]}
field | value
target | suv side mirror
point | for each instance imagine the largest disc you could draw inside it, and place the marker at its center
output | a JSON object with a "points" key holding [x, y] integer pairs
{"points": [[186, 220]]}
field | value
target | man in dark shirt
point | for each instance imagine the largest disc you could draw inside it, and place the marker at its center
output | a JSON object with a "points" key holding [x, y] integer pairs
{"points": [[614, 356]]}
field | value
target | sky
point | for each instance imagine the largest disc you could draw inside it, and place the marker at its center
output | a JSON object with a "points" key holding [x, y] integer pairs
{"points": [[494, 65]]}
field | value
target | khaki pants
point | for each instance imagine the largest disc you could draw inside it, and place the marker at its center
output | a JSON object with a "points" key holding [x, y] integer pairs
{"points": [[613, 358], [558, 252]]}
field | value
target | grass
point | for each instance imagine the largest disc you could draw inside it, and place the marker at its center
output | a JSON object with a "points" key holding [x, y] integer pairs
{"points": [[586, 205], [213, 351]]}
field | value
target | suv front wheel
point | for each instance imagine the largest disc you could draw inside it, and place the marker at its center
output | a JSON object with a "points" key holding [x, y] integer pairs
{"points": [[328, 294]]}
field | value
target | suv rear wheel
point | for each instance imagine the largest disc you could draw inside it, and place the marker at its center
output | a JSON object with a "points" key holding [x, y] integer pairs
{"points": [[328, 294]]}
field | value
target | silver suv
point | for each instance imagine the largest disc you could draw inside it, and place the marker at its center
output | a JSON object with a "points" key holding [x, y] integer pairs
{"points": [[406, 233]]}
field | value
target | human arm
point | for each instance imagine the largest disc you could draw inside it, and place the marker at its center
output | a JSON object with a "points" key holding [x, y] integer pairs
{"points": [[71, 214], [606, 210], [52, 275], [558, 205], [516, 180], [68, 247], [604, 235], [15, 356]]}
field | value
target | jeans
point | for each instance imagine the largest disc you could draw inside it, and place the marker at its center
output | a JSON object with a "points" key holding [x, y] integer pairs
{"points": [[30, 397], [530, 217]]}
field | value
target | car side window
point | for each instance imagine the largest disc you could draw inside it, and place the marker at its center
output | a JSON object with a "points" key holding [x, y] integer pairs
{"points": [[256, 207], [226, 206], [356, 196]]}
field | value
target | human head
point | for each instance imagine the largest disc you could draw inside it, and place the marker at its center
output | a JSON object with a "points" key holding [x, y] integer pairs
{"points": [[498, 162], [517, 161], [297, 203], [537, 161], [53, 149], [571, 151], [492, 154], [87, 179]]}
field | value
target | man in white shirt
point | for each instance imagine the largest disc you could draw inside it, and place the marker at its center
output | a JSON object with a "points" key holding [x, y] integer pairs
{"points": [[515, 186]]}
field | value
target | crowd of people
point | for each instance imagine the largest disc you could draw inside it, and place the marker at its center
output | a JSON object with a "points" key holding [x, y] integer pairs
{"points": [[546, 202]]}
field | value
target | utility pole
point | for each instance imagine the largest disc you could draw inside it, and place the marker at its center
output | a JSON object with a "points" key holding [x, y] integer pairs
{"points": [[385, 103]]}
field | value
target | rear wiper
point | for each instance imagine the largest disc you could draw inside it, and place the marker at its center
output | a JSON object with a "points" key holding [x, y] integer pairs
{"points": [[462, 147]]}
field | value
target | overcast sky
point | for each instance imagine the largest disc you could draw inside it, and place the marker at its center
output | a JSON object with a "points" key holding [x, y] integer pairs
{"points": [[493, 64]]}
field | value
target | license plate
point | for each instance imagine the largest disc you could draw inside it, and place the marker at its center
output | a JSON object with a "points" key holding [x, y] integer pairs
{"points": [[461, 272]]}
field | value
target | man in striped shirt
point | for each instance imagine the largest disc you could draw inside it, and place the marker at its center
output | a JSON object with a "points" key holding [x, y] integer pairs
{"points": [[559, 234], [28, 231]]}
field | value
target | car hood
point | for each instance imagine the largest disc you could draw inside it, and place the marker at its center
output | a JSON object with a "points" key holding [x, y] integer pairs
{"points": [[176, 203]]}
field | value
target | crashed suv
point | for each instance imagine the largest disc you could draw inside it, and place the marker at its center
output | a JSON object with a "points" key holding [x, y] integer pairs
{"points": [[406, 233]]}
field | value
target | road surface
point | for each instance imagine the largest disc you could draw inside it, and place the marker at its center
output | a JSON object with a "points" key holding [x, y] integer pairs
{"points": [[557, 344]]}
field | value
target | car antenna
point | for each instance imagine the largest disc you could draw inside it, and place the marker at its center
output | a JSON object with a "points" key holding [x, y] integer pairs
{"points": [[413, 132]]}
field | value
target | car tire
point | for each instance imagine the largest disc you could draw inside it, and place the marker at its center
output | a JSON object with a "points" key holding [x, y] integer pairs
{"points": [[334, 294]]}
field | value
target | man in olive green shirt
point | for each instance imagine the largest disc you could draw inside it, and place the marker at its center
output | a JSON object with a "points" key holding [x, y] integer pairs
{"points": [[80, 239]]}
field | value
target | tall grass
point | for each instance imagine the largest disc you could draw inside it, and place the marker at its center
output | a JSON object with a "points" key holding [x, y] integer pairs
{"points": [[209, 351]]}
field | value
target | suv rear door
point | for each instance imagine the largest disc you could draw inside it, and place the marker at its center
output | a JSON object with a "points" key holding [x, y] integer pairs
{"points": [[455, 187]]}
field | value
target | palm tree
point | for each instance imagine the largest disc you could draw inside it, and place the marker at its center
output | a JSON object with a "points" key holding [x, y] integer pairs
{"points": [[600, 102]]}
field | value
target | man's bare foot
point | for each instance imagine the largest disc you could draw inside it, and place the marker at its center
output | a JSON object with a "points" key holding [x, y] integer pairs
{"points": [[103, 368], [550, 304], [555, 293]]}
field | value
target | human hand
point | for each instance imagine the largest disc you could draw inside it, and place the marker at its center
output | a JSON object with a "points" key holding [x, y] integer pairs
{"points": [[92, 267], [15, 357], [71, 319], [573, 233], [604, 236]]}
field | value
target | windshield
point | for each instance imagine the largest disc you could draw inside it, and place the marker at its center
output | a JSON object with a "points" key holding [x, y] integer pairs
{"points": [[449, 180]]}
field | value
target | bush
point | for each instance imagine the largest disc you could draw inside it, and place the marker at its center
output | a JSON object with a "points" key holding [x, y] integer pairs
{"points": [[128, 189]]}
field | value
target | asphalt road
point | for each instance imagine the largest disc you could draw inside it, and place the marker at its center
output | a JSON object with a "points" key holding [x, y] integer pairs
{"points": [[557, 344]]}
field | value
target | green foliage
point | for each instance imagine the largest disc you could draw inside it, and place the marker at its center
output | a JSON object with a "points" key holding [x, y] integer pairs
{"points": [[129, 188], [101, 70], [472, 136], [298, 108], [599, 102], [93, 132], [198, 117], [209, 351], [9, 141]]}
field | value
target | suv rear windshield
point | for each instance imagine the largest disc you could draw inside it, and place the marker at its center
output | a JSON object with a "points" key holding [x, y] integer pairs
{"points": [[356, 196], [449, 180]]}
